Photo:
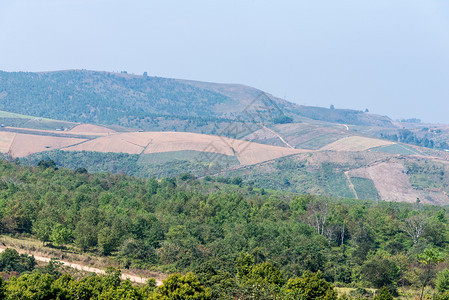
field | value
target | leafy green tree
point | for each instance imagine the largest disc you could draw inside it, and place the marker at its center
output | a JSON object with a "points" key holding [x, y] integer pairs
{"points": [[244, 264], [310, 286], [107, 240], [86, 233], [178, 287], [124, 291], [45, 164], [11, 260], [429, 259], [2, 288], [441, 296], [33, 286], [60, 235], [381, 272], [112, 278], [42, 228], [258, 281], [364, 241], [383, 294], [442, 281]]}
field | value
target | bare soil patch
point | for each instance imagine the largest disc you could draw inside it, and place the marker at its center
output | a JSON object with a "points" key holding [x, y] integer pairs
{"points": [[26, 144], [391, 182], [89, 128], [6, 139]]}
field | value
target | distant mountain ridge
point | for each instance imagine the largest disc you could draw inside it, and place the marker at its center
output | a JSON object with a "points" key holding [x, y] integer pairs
{"points": [[147, 102]]}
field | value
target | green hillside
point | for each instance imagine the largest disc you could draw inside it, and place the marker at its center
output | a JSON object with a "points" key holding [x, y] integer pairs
{"points": [[232, 235], [26, 121], [151, 103]]}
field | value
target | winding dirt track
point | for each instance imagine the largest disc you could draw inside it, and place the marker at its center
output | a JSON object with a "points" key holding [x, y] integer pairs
{"points": [[133, 278], [351, 185], [279, 136]]}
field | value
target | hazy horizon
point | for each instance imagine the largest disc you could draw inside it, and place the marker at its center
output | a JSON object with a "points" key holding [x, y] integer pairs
{"points": [[389, 57]]}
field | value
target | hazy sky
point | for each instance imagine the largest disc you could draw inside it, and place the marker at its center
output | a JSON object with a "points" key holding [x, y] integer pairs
{"points": [[390, 56]]}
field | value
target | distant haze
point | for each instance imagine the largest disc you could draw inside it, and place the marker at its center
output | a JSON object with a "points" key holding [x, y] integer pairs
{"points": [[391, 57]]}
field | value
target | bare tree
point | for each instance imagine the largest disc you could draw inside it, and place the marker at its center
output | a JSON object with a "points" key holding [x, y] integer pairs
{"points": [[414, 226], [342, 233], [331, 234], [319, 211]]}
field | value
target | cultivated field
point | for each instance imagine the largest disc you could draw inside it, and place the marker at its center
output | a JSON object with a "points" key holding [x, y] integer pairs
{"points": [[89, 128], [161, 142], [355, 143], [309, 136], [112, 143], [6, 139], [393, 184], [26, 144], [19, 142]]}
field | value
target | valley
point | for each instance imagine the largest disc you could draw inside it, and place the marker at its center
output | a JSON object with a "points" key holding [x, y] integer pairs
{"points": [[156, 176], [307, 158]]}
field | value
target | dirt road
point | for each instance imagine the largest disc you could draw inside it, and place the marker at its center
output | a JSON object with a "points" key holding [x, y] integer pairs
{"points": [[351, 186], [133, 278], [279, 136]]}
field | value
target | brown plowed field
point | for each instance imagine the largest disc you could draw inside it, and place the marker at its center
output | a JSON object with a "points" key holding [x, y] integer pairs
{"points": [[89, 128], [160, 142], [247, 153], [179, 141], [113, 143], [26, 144], [6, 139]]}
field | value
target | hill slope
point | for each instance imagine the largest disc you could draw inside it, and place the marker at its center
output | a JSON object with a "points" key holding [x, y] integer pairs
{"points": [[148, 103], [153, 127], [351, 166]]}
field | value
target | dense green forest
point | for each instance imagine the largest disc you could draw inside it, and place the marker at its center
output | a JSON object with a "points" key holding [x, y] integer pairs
{"points": [[424, 138], [69, 95], [291, 174], [158, 165], [215, 228]]}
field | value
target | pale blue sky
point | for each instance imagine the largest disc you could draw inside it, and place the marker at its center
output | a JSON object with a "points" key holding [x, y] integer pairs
{"points": [[391, 56]]}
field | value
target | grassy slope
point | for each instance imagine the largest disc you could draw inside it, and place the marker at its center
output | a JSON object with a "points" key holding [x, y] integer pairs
{"points": [[25, 121]]}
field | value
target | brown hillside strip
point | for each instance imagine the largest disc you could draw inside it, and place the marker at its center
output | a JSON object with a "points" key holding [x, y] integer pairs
{"points": [[113, 143], [254, 153], [180, 141], [83, 138], [26, 144], [6, 139], [160, 142], [89, 128]]}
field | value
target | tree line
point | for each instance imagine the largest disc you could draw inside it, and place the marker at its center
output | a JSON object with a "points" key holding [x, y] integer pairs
{"points": [[188, 225]]}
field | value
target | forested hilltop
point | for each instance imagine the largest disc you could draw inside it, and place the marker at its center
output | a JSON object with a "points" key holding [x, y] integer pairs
{"points": [[237, 239], [150, 103]]}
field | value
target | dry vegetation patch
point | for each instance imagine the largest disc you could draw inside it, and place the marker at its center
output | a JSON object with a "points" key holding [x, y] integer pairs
{"points": [[355, 143]]}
